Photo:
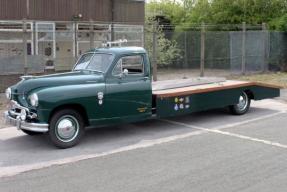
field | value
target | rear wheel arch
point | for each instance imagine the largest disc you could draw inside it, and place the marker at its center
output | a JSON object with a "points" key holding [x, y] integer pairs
{"points": [[249, 93]]}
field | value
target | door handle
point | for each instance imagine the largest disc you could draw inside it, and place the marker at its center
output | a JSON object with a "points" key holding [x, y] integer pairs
{"points": [[146, 78]]}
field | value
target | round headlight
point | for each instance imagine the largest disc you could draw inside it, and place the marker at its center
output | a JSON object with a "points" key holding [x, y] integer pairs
{"points": [[34, 101], [8, 93]]}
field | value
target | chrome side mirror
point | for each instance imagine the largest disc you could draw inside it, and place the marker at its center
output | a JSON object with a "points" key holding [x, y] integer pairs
{"points": [[125, 72]]}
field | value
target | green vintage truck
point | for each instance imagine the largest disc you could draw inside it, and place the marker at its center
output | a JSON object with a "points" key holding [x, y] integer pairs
{"points": [[109, 86]]}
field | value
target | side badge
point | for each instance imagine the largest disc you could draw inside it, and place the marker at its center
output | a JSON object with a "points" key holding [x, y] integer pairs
{"points": [[176, 107], [100, 97]]}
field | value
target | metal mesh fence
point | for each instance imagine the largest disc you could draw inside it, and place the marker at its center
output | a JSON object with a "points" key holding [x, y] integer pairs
{"points": [[36, 47], [278, 51], [216, 50]]}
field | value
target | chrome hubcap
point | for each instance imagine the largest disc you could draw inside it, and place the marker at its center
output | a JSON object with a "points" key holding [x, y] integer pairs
{"points": [[67, 128], [243, 102]]}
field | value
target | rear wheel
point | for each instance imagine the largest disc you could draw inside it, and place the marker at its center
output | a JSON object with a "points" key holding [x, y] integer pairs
{"points": [[66, 128], [242, 106]]}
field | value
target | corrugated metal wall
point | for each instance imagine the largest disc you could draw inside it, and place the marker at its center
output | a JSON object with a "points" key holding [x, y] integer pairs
{"points": [[129, 11], [51, 9], [12, 9], [64, 10]]}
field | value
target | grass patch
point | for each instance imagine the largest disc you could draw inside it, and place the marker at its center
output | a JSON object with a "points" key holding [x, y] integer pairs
{"points": [[279, 79]]}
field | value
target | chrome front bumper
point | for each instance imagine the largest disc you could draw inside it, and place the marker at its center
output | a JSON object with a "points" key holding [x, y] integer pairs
{"points": [[35, 127]]}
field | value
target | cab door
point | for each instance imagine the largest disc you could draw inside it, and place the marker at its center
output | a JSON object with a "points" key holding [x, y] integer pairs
{"points": [[128, 89]]}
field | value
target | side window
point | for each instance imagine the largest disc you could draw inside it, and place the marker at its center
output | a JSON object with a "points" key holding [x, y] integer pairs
{"points": [[133, 64]]}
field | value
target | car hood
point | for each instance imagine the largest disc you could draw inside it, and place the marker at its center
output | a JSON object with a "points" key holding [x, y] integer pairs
{"points": [[30, 83]]}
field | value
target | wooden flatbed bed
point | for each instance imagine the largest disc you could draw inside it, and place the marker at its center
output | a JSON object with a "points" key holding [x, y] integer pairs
{"points": [[176, 97]]}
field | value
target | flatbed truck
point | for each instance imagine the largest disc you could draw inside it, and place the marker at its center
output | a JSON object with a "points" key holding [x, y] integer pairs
{"points": [[109, 86]]}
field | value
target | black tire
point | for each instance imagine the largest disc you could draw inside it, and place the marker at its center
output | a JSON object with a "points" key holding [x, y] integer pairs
{"points": [[66, 128], [243, 106], [31, 133]]}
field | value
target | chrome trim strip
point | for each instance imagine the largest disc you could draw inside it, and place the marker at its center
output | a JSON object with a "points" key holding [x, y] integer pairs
{"points": [[35, 127]]}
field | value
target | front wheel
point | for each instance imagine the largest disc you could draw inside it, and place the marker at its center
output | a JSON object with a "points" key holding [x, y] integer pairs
{"points": [[242, 106], [66, 128]]}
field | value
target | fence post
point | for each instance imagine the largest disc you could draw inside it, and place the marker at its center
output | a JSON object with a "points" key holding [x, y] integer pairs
{"points": [[185, 50], [25, 47], [92, 37], [243, 50], [34, 35], [202, 50], [154, 51], [76, 40], [265, 47]]}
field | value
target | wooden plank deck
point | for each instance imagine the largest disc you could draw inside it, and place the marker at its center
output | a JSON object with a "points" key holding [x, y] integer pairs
{"points": [[207, 87], [179, 83]]}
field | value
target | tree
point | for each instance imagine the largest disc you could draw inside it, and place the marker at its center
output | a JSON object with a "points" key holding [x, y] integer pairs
{"points": [[167, 50], [173, 10], [249, 11], [279, 23], [193, 12]]}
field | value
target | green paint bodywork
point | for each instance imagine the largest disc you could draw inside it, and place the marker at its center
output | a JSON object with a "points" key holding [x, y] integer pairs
{"points": [[167, 107], [126, 99], [123, 97]]}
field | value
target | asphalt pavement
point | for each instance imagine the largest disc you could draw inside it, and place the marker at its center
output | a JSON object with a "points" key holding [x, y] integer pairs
{"points": [[208, 151]]}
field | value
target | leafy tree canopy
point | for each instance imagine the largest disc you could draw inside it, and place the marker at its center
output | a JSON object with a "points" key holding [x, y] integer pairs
{"points": [[192, 12]]}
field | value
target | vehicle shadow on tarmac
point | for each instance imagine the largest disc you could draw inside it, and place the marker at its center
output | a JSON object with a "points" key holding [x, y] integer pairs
{"points": [[24, 149], [149, 129]]}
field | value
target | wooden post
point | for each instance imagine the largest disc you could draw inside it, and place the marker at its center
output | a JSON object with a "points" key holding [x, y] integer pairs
{"points": [[243, 50], [25, 47], [92, 35], [265, 47], [185, 50], [202, 50], [154, 51]]}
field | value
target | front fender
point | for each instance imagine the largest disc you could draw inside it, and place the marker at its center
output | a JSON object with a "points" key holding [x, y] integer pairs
{"points": [[54, 97]]}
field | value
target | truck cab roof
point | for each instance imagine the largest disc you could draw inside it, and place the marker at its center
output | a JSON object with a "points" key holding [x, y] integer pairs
{"points": [[119, 50]]}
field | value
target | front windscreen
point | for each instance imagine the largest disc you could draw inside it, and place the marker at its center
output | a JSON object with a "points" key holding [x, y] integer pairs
{"points": [[94, 62]]}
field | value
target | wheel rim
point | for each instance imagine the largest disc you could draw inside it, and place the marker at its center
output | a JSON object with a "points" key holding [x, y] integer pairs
{"points": [[67, 128], [243, 102]]}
